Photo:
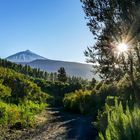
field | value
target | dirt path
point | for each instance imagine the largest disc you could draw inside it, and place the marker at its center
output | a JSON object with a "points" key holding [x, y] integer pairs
{"points": [[64, 126]]}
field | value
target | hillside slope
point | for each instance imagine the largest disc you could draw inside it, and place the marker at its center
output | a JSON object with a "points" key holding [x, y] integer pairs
{"points": [[37, 61], [72, 68]]}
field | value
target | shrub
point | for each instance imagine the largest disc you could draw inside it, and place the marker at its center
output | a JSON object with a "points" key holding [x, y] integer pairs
{"points": [[5, 92], [122, 124], [56, 90], [16, 88], [23, 114], [20, 99], [101, 120], [81, 101], [9, 114], [98, 85], [124, 88], [101, 94]]}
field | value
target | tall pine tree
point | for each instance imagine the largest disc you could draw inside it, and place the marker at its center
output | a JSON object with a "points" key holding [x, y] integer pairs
{"points": [[62, 76]]}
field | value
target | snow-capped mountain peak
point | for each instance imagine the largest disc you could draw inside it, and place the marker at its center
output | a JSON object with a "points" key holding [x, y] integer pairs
{"points": [[24, 56]]}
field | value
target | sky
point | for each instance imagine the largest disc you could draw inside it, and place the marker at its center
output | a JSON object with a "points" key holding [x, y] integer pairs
{"points": [[55, 29]]}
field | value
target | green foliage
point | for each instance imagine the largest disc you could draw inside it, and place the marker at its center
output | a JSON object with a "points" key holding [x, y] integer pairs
{"points": [[28, 111], [101, 120], [107, 94], [62, 77], [122, 123], [23, 114], [5, 92], [124, 89], [20, 99], [57, 90], [119, 15], [27, 70], [9, 114], [101, 91], [117, 121], [81, 101], [93, 82], [98, 85], [83, 83], [87, 101], [106, 90], [19, 87]]}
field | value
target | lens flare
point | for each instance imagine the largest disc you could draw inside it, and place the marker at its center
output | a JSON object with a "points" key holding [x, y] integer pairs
{"points": [[122, 47]]}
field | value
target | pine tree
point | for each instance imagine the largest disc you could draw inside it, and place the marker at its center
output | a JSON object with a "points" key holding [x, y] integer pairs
{"points": [[62, 77]]}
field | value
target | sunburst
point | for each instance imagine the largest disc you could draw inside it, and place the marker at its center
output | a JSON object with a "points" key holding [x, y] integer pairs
{"points": [[122, 48]]}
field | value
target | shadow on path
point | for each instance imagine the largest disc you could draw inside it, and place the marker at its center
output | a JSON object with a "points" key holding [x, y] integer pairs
{"points": [[64, 125], [77, 127]]}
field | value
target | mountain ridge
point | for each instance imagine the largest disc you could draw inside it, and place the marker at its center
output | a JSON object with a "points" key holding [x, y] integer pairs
{"points": [[72, 68]]}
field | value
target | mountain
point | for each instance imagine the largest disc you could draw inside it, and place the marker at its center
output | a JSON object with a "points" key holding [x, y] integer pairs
{"points": [[72, 68], [24, 57], [37, 61]]}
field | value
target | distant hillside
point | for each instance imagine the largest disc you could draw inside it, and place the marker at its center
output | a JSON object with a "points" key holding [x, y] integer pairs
{"points": [[72, 68], [37, 61]]}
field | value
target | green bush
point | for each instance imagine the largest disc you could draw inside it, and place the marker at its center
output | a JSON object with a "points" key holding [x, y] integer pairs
{"points": [[9, 114], [18, 88], [20, 99], [124, 88], [86, 101], [23, 114], [98, 85], [33, 107], [81, 101], [106, 90], [101, 120], [56, 90], [123, 124], [5, 92]]}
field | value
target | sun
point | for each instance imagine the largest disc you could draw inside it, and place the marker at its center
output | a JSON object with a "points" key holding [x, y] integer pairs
{"points": [[122, 47]]}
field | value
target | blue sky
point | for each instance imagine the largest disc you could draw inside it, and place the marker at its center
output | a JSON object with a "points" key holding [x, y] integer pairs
{"points": [[55, 29]]}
